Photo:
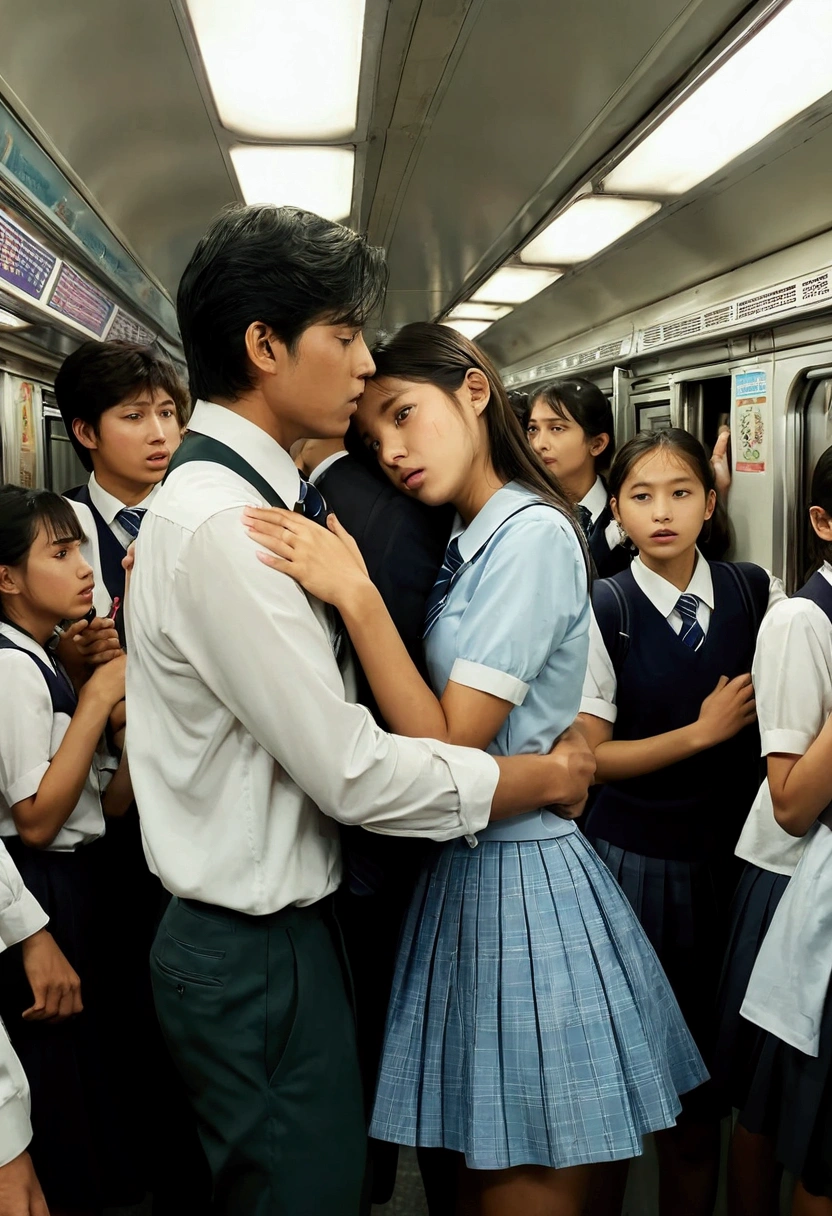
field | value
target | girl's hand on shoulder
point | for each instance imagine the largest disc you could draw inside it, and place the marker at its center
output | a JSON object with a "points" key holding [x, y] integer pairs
{"points": [[325, 561], [725, 712]]}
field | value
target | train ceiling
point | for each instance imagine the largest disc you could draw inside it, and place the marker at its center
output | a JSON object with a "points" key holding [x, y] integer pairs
{"points": [[476, 120]]}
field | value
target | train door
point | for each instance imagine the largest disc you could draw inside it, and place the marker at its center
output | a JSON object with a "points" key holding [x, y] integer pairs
{"points": [[62, 468], [810, 434]]}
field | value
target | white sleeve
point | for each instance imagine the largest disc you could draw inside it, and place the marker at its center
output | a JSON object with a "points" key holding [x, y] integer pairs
{"points": [[600, 684], [776, 591], [791, 674], [20, 913], [15, 1126], [26, 719], [262, 651]]}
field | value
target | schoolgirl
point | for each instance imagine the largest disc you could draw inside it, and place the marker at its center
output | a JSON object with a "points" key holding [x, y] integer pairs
{"points": [[531, 1029], [56, 782], [668, 705], [783, 1093], [569, 424]]}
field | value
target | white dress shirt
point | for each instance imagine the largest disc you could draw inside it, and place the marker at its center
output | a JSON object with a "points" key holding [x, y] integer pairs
{"points": [[239, 729], [108, 507], [30, 735], [600, 684], [793, 685], [319, 470], [20, 916]]}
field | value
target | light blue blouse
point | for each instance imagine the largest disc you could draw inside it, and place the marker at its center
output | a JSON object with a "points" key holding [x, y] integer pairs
{"points": [[516, 624]]}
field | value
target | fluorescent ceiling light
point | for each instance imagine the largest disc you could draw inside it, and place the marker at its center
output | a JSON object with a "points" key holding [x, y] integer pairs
{"points": [[282, 69], [468, 329], [479, 312], [317, 179], [777, 73], [514, 285], [9, 321], [585, 228]]}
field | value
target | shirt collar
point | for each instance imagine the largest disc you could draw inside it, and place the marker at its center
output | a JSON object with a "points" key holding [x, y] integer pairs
{"points": [[826, 571], [664, 596], [485, 523], [320, 469], [263, 453], [108, 506], [595, 500], [23, 640]]}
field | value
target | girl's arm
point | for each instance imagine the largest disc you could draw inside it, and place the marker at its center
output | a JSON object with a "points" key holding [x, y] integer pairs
{"points": [[119, 793], [39, 819], [726, 711], [801, 786]]}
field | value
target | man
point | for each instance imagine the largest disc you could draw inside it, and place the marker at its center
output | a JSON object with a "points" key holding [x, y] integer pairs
{"points": [[57, 995], [243, 746]]}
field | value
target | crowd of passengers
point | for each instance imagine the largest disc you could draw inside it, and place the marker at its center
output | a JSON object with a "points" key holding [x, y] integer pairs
{"points": [[459, 792]]}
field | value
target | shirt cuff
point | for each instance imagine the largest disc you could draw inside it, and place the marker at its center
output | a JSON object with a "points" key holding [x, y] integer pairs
{"points": [[15, 1129], [790, 742], [598, 708], [26, 786], [475, 775], [488, 679], [21, 919]]}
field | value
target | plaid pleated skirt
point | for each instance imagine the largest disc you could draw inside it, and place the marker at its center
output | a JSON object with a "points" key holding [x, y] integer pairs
{"points": [[530, 1022]]}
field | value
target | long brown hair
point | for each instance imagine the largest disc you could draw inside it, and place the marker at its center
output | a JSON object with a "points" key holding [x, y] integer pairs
{"points": [[436, 354]]}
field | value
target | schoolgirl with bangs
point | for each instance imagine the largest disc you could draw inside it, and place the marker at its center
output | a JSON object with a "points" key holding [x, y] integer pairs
{"points": [[57, 782], [668, 705], [531, 1030]]}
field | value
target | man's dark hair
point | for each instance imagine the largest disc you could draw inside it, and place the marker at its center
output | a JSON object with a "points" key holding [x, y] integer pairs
{"points": [[279, 265], [100, 375]]}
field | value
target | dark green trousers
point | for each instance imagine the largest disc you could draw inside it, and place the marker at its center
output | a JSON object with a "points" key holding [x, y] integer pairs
{"points": [[257, 1016]]}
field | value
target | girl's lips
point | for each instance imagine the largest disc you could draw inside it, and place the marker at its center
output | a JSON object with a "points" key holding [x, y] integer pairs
{"points": [[413, 480], [665, 537]]}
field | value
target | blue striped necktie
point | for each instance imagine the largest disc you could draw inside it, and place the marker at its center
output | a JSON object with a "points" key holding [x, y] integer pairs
{"points": [[439, 593], [131, 518], [584, 518], [692, 633]]}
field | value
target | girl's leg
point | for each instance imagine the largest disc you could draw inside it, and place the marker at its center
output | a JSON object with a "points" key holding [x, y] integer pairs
{"points": [[688, 1167], [805, 1204], [606, 1188], [753, 1175], [532, 1190]]}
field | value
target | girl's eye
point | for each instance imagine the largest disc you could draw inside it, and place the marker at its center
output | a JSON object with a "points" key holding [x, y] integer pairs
{"points": [[403, 413], [167, 413], [531, 430], [556, 429], [132, 417], [640, 497], [348, 341], [681, 493], [62, 553]]}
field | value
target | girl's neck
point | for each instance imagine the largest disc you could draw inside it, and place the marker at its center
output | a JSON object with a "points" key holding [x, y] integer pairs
{"points": [[579, 484], [37, 624], [676, 570], [483, 483]]}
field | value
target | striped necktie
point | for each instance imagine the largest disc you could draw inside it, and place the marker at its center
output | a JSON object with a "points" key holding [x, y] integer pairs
{"points": [[131, 518], [692, 633], [584, 518], [311, 502], [439, 593]]}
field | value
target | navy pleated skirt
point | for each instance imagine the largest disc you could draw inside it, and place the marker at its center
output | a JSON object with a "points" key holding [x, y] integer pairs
{"points": [[530, 1021], [84, 1142], [741, 1069]]}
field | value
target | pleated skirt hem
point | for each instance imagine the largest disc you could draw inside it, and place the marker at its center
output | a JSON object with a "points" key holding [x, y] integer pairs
{"points": [[530, 1023]]}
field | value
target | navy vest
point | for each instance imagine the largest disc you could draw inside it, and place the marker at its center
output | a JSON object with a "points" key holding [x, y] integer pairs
{"points": [[819, 591], [607, 561], [110, 550], [692, 809], [61, 692]]}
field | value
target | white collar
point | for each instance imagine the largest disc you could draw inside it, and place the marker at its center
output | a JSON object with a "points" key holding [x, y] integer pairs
{"points": [[320, 469], [826, 571], [23, 640], [596, 499], [664, 596], [108, 506], [263, 453], [500, 507]]}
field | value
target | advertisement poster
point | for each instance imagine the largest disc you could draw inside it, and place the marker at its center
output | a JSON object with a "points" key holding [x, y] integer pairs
{"points": [[24, 408], [24, 263], [77, 298], [751, 421]]}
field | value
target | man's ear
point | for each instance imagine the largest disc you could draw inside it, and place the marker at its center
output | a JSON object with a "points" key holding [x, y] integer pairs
{"points": [[84, 432], [264, 349]]}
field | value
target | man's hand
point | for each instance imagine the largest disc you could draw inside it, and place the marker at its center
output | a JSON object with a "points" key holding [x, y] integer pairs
{"points": [[20, 1193], [55, 986]]}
